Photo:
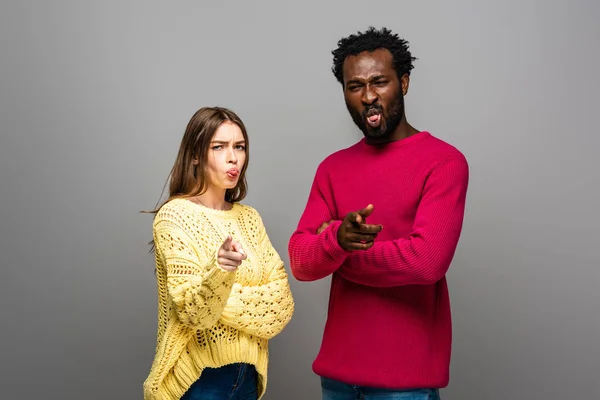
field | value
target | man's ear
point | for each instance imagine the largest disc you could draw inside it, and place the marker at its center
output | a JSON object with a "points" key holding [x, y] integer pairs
{"points": [[404, 82]]}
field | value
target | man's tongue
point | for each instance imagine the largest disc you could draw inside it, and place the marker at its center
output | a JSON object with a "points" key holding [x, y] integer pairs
{"points": [[374, 120]]}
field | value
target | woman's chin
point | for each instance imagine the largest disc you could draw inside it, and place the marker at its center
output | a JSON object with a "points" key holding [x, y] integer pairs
{"points": [[229, 185]]}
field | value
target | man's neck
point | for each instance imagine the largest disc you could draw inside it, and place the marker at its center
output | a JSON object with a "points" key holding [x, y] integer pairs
{"points": [[402, 131]]}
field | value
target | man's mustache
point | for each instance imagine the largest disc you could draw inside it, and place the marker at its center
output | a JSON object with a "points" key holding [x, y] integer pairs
{"points": [[375, 107]]}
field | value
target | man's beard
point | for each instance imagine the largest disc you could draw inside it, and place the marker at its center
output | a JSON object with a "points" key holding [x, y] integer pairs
{"points": [[389, 121]]}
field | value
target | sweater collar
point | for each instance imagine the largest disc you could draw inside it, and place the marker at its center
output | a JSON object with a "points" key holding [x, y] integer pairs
{"points": [[396, 144]]}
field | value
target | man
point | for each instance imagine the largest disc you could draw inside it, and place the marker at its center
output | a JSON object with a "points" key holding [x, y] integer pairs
{"points": [[384, 217]]}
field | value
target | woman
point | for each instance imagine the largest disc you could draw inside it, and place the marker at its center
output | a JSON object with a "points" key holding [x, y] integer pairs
{"points": [[222, 288]]}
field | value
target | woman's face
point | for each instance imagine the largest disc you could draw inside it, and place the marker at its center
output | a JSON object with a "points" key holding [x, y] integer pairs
{"points": [[226, 157]]}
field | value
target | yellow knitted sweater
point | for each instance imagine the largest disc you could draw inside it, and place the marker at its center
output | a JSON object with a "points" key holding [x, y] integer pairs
{"points": [[209, 317]]}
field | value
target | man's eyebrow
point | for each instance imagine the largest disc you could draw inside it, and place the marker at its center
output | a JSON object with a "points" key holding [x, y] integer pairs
{"points": [[370, 79], [353, 80]]}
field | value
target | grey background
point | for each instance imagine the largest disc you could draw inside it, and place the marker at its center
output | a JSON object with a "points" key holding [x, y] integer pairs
{"points": [[95, 97]]}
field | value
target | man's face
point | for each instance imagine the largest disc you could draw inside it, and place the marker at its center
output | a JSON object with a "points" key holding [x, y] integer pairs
{"points": [[374, 94]]}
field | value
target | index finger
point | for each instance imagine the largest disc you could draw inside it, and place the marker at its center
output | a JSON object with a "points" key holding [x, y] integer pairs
{"points": [[354, 218], [227, 243], [370, 228]]}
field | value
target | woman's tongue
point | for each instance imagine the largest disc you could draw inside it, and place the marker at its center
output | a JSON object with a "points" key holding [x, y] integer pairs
{"points": [[374, 120]]}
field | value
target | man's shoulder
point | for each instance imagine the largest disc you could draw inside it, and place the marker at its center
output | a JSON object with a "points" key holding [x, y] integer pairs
{"points": [[443, 150], [338, 157]]}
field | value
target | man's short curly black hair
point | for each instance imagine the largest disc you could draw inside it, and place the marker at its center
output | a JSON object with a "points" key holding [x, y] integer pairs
{"points": [[371, 40]]}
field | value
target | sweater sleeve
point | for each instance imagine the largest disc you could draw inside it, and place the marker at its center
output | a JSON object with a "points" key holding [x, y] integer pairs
{"points": [[197, 286], [424, 256], [315, 256], [262, 310]]}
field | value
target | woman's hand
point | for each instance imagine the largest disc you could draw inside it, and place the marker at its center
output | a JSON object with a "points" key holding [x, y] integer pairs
{"points": [[230, 255]]}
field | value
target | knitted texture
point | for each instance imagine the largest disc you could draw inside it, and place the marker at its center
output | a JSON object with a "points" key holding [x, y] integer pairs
{"points": [[209, 317], [388, 323]]}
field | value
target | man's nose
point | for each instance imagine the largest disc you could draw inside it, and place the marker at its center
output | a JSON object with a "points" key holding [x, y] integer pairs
{"points": [[369, 95]]}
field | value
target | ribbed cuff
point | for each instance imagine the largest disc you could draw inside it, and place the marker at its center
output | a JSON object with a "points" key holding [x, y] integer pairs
{"points": [[331, 245], [217, 276]]}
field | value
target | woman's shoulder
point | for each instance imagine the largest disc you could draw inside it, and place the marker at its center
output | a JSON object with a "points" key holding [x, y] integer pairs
{"points": [[176, 211], [248, 211]]}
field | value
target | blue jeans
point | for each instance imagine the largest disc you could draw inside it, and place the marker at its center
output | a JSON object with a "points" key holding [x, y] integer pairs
{"points": [[335, 390], [229, 382]]}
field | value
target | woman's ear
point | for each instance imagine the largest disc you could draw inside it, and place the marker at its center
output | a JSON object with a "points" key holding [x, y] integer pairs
{"points": [[195, 161]]}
